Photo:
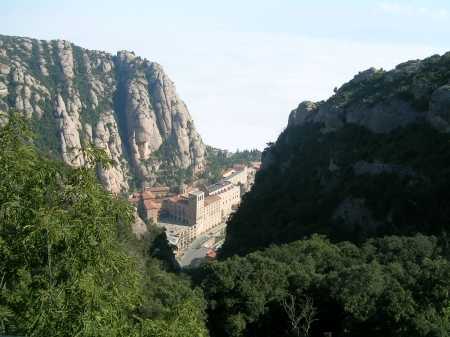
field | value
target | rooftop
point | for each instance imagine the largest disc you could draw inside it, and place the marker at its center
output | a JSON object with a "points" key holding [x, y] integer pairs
{"points": [[211, 199], [178, 199], [174, 231], [239, 167], [234, 174], [197, 193], [217, 186], [256, 164], [150, 204]]}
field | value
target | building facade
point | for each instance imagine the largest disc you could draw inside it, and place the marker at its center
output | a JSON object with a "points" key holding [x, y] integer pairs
{"points": [[195, 211], [229, 194]]}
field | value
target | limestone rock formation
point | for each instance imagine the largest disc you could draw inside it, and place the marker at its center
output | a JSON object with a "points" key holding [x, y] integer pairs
{"points": [[124, 104], [385, 100]]}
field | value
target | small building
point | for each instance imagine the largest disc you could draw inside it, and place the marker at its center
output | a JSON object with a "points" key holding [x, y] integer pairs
{"points": [[180, 236], [238, 175]]}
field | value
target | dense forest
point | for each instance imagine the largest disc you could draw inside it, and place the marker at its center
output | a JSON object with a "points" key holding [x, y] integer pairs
{"points": [[392, 286], [69, 264], [300, 196]]}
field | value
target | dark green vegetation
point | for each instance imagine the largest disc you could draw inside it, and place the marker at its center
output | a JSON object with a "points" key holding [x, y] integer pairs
{"points": [[299, 193], [351, 183], [69, 265], [371, 211], [393, 286], [219, 160]]}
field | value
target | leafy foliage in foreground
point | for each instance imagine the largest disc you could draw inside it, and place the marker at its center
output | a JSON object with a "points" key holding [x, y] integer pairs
{"points": [[65, 269], [392, 286]]}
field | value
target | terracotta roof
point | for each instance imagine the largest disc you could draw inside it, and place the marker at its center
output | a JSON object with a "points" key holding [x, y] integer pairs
{"points": [[211, 254], [150, 204], [211, 199], [177, 199]]}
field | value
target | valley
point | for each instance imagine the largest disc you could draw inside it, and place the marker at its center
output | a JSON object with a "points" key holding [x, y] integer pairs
{"points": [[116, 219]]}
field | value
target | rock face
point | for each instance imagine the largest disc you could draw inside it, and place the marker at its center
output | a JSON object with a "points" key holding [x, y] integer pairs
{"points": [[124, 104], [371, 160], [383, 101]]}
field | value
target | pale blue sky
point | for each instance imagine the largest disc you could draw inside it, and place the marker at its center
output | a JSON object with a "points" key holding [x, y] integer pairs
{"points": [[241, 66]]}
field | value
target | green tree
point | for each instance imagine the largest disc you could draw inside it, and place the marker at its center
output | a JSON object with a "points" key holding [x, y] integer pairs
{"points": [[65, 269]]}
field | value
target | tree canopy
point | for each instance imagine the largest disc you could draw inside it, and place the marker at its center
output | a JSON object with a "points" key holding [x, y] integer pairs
{"points": [[391, 286], [69, 265]]}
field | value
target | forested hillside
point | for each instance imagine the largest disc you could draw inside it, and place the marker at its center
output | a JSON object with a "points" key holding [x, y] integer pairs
{"points": [[69, 264], [391, 287], [372, 160]]}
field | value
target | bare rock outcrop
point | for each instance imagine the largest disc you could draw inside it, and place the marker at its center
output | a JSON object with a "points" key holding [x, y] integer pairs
{"points": [[382, 117], [123, 104], [382, 101], [107, 137], [69, 126], [303, 113]]}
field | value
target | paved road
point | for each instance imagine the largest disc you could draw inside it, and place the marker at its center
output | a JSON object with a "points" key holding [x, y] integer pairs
{"points": [[196, 253]]}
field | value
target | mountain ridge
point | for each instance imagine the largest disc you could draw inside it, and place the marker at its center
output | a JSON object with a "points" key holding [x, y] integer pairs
{"points": [[122, 103], [372, 160]]}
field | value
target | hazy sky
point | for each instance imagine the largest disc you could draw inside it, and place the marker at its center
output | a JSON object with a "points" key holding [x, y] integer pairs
{"points": [[242, 66]]}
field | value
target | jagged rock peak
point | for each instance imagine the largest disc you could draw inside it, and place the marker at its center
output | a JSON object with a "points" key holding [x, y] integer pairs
{"points": [[385, 100], [122, 103]]}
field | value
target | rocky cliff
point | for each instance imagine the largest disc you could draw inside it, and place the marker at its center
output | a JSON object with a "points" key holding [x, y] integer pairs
{"points": [[371, 160], [122, 103]]}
